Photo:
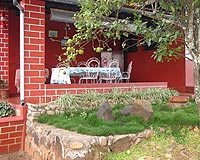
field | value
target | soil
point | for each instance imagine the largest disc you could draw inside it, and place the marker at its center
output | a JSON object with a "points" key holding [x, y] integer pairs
{"points": [[16, 156]]}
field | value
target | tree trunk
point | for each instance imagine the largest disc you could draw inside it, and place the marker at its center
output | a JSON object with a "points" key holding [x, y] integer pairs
{"points": [[197, 85]]}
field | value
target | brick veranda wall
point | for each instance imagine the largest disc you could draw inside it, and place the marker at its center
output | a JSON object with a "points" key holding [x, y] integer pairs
{"points": [[4, 50], [34, 49], [13, 131]]}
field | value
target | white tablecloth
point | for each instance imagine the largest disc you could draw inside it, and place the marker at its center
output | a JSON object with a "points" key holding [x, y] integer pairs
{"points": [[62, 75]]}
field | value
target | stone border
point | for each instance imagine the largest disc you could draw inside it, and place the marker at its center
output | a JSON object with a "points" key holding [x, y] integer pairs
{"points": [[45, 142]]}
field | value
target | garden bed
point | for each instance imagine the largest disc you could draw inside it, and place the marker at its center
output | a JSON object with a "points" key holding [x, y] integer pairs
{"points": [[48, 142]]}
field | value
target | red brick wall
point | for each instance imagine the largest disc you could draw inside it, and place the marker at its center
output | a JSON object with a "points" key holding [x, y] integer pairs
{"points": [[34, 49], [4, 51], [13, 132]]}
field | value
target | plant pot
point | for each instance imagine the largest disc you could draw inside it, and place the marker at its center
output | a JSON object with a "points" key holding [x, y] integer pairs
{"points": [[4, 93]]}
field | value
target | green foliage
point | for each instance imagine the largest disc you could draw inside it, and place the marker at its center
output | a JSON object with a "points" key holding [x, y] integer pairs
{"points": [[88, 100], [100, 22], [86, 121], [6, 110]]}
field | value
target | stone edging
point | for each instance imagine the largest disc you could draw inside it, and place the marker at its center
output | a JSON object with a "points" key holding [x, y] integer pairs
{"points": [[45, 142]]}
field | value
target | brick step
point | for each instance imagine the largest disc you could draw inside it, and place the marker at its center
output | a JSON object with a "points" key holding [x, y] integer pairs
{"points": [[179, 99], [190, 95]]}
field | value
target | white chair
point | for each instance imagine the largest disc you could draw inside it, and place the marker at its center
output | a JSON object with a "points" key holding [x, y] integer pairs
{"points": [[91, 76], [113, 63], [111, 76], [61, 64], [108, 77], [82, 64], [93, 62], [126, 75]]}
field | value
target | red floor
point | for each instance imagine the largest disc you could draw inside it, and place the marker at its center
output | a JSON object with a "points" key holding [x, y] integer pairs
{"points": [[12, 99]]}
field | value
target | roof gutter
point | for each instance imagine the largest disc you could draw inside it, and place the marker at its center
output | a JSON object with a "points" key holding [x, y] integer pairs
{"points": [[15, 3]]}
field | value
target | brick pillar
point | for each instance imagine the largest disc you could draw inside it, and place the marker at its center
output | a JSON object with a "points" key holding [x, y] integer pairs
{"points": [[4, 50], [34, 50]]}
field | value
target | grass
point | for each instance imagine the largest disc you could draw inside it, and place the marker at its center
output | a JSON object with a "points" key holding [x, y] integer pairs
{"points": [[164, 146], [85, 121]]}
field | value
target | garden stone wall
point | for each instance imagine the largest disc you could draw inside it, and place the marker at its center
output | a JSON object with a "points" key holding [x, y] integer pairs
{"points": [[44, 142]]}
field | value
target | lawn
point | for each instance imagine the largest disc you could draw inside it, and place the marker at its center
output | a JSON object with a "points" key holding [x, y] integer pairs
{"points": [[85, 121]]}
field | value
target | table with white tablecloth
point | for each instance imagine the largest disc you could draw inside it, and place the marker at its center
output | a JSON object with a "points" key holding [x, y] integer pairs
{"points": [[62, 75]]}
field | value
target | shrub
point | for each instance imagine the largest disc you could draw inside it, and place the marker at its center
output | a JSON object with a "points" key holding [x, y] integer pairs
{"points": [[89, 100], [6, 110]]}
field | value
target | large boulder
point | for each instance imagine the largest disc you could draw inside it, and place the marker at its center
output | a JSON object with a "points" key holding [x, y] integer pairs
{"points": [[105, 112], [142, 108]]}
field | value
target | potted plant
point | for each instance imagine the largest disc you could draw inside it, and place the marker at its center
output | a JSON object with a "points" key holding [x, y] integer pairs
{"points": [[4, 89]]}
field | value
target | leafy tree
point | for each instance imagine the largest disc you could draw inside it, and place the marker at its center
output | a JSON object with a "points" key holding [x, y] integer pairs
{"points": [[164, 22]]}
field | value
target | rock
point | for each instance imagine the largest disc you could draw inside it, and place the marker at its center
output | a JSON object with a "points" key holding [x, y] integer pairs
{"points": [[76, 145], [57, 147], [120, 144], [140, 108], [162, 130], [105, 112], [36, 138], [35, 114], [51, 112], [126, 111], [103, 141]]}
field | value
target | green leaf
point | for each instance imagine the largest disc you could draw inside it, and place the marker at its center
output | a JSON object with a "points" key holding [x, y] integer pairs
{"points": [[125, 34]]}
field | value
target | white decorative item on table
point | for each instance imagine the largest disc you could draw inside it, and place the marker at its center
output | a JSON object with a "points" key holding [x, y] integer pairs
{"points": [[63, 66]]}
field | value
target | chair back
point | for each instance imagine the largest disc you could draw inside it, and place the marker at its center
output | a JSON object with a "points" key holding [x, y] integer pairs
{"points": [[82, 64], [113, 63], [61, 64], [93, 62]]}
